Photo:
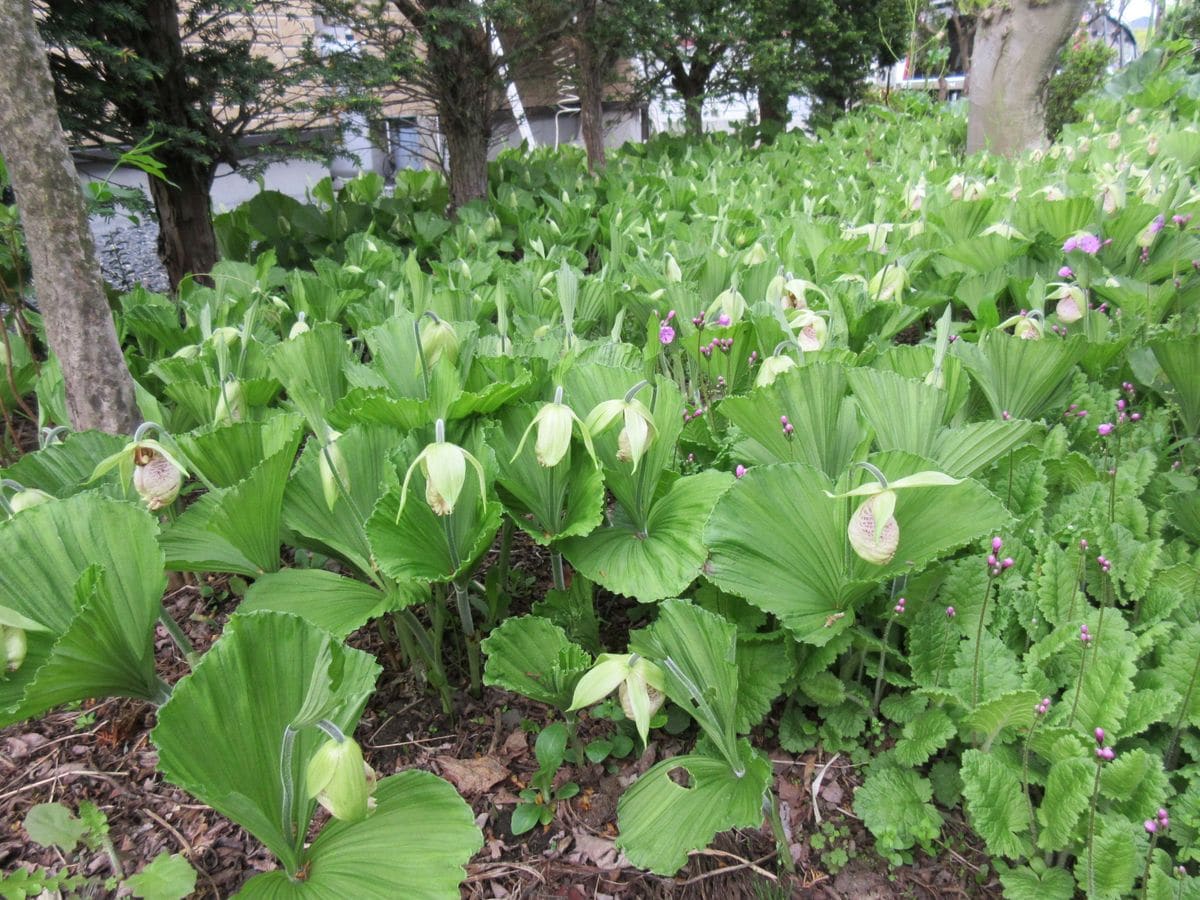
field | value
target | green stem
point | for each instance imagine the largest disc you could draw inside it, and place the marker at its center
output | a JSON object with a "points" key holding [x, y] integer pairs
{"points": [[113, 859], [1091, 867], [887, 633], [1078, 686], [1187, 703], [421, 355], [1025, 778], [556, 567], [462, 600], [177, 635], [1146, 867], [506, 539], [286, 751], [987, 596]]}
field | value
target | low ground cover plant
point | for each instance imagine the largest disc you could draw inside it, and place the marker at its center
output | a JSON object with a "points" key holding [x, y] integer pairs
{"points": [[884, 439]]}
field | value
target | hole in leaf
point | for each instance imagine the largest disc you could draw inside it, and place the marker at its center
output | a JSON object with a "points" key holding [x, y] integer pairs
{"points": [[681, 777]]}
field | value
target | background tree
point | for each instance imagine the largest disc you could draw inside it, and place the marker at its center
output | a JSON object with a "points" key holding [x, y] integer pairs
{"points": [[601, 35], [822, 48], [66, 277], [1016, 47], [128, 70], [439, 53]]}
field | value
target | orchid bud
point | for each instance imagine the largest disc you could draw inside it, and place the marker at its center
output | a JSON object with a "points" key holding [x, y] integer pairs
{"points": [[230, 404], [1114, 140], [1152, 145], [190, 351], [12, 647], [755, 256], [956, 185], [301, 327], [876, 233], [156, 478], [888, 283], [873, 531], [674, 274], [438, 339], [772, 367], [340, 780], [1004, 230], [224, 336], [26, 498], [331, 463]]}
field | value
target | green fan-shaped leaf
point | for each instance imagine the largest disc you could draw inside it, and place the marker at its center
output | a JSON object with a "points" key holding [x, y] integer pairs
{"points": [[332, 602], [85, 576], [1185, 513], [995, 803], [1178, 359], [66, 468], [236, 705], [416, 544], [534, 657], [226, 454], [312, 367], [776, 539], [235, 529], [414, 845], [894, 805], [1068, 794], [366, 452], [967, 449], [664, 559], [661, 820], [1021, 377], [546, 502], [826, 434], [905, 413]]}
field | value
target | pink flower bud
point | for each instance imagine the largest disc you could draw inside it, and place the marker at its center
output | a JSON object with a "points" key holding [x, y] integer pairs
{"points": [[739, 471], [1104, 429]]}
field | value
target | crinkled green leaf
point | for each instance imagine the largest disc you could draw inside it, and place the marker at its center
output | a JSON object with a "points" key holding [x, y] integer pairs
{"points": [[1068, 794], [995, 803], [894, 805], [534, 657], [924, 736]]}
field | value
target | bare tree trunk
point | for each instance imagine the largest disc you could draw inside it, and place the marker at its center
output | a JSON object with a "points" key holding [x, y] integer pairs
{"points": [[66, 276], [590, 70], [1016, 45], [772, 108], [693, 112], [186, 241], [460, 71]]}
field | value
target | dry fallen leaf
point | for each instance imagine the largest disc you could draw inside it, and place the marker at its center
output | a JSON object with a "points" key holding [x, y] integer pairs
{"points": [[472, 776], [593, 850]]}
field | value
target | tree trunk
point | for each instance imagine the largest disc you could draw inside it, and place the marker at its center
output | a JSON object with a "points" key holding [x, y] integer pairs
{"points": [[693, 111], [186, 241], [66, 277], [461, 79], [772, 108], [1016, 46], [589, 67]]}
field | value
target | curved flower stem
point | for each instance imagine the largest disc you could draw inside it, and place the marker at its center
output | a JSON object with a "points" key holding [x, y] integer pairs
{"points": [[462, 601], [179, 637], [1025, 778], [1078, 687], [1187, 702], [987, 595], [556, 567], [1146, 867]]}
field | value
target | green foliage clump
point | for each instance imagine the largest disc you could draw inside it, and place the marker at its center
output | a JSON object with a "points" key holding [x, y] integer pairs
{"points": [[1082, 66]]}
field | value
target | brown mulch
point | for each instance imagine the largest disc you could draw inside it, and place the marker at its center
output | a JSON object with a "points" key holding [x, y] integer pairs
{"points": [[101, 752]]}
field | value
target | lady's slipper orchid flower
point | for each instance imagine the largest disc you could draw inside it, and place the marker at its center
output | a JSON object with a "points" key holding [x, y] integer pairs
{"points": [[873, 531], [774, 366], [341, 780], [231, 406], [674, 274], [795, 293], [153, 471], [444, 466], [638, 430], [22, 497], [640, 683], [1071, 302], [811, 330], [1027, 326], [13, 647], [555, 423], [915, 197], [299, 328], [756, 255], [1006, 231]]}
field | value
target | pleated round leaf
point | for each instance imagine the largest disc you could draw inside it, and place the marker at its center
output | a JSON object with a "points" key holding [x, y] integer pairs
{"points": [[220, 735], [414, 845], [330, 601], [777, 540], [661, 821], [88, 571], [534, 657], [667, 557]]}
